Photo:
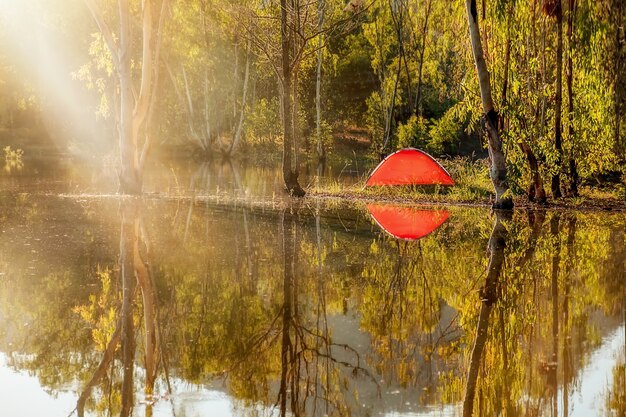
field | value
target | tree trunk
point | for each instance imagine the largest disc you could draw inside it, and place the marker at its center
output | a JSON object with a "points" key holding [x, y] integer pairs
{"points": [[130, 182], [134, 109], [497, 169], [239, 130], [389, 111], [573, 171], [556, 177], [321, 152], [496, 246], [418, 95], [536, 191], [290, 173], [398, 15], [618, 10]]}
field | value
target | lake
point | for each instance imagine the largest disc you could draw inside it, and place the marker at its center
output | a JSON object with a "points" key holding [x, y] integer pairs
{"points": [[217, 295]]}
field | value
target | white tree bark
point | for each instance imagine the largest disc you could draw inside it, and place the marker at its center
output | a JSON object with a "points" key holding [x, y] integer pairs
{"points": [[242, 113], [134, 110], [497, 169]]}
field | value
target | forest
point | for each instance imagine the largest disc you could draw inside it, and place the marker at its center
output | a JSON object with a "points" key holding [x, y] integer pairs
{"points": [[157, 257], [535, 88]]}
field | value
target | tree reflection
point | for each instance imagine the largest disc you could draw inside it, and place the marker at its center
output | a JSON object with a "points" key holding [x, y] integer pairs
{"points": [[300, 311], [134, 272], [309, 366], [496, 246]]}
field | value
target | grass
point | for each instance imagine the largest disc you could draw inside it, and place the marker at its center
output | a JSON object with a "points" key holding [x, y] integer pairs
{"points": [[473, 187]]}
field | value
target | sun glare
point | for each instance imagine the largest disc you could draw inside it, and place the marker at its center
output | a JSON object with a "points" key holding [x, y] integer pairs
{"points": [[44, 53]]}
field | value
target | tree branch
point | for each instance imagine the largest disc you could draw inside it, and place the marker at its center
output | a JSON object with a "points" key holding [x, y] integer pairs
{"points": [[107, 34]]}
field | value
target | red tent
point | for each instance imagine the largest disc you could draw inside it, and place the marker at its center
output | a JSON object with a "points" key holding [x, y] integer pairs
{"points": [[409, 167], [406, 222]]}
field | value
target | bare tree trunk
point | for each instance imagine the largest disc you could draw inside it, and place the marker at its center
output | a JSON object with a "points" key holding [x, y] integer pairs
{"points": [[134, 110], [542, 123], [130, 183], [573, 171], [556, 177], [397, 23], [295, 123], [497, 169], [536, 191], [188, 105], [238, 132], [418, 96], [618, 11], [398, 15], [321, 152], [290, 173], [389, 113], [496, 246]]}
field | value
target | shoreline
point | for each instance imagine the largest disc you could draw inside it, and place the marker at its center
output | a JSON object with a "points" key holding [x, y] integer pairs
{"points": [[564, 204]]}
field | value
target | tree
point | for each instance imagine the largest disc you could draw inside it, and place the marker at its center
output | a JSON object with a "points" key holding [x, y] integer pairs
{"points": [[497, 169], [616, 12], [573, 171], [553, 8], [135, 109], [289, 63], [321, 152], [536, 190], [422, 50]]}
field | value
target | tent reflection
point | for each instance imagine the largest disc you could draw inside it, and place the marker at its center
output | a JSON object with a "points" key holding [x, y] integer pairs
{"points": [[407, 223]]}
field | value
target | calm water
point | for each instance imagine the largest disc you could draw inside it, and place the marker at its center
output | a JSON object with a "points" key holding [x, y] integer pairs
{"points": [[190, 302]]}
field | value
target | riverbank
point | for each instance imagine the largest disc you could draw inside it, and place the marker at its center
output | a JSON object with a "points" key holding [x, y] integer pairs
{"points": [[590, 198]]}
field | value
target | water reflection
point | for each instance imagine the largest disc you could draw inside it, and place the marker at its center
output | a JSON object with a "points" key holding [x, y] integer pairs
{"points": [[136, 281], [156, 308], [489, 296], [51, 173], [407, 223]]}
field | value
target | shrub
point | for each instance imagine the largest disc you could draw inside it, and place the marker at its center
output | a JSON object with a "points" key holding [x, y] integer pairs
{"points": [[413, 133], [263, 123]]}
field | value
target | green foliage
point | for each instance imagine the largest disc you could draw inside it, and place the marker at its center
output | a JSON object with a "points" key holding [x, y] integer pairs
{"points": [[438, 137], [375, 119], [326, 136], [402, 70], [97, 74], [263, 122], [13, 159], [413, 133], [444, 135]]}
